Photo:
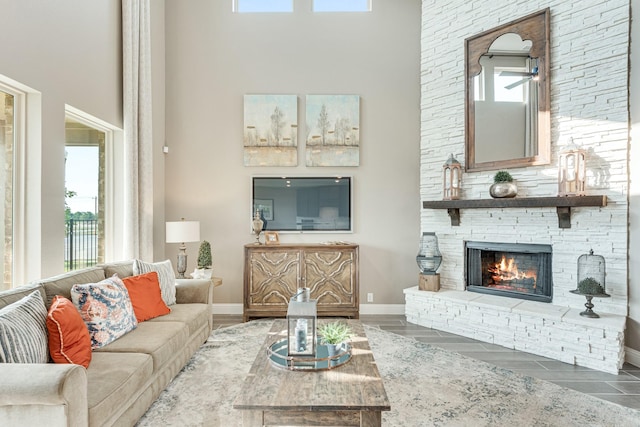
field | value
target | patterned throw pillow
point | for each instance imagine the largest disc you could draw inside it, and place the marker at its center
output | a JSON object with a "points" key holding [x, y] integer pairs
{"points": [[23, 331], [69, 340], [106, 309], [165, 274]]}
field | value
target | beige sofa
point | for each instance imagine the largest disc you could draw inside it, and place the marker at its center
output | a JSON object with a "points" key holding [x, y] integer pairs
{"points": [[124, 377]]}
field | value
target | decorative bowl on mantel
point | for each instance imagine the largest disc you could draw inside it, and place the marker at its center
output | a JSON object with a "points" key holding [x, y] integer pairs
{"points": [[503, 190]]}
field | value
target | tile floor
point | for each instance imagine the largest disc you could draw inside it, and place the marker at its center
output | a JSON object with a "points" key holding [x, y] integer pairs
{"points": [[623, 388]]}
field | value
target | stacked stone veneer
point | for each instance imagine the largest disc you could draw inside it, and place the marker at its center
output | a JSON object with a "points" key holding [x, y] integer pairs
{"points": [[549, 330], [589, 103]]}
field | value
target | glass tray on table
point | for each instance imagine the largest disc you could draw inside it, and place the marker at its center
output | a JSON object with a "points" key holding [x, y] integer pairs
{"points": [[278, 354]]}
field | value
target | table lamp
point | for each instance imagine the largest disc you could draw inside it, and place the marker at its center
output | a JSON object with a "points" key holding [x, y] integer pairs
{"points": [[182, 232]]}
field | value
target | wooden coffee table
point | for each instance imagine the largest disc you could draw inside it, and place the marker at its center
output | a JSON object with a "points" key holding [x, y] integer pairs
{"points": [[349, 395]]}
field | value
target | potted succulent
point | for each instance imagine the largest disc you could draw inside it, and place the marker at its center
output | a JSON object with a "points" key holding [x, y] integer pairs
{"points": [[503, 186], [333, 335], [204, 270]]}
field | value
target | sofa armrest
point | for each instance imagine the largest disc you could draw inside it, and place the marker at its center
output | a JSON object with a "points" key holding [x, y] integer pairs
{"points": [[194, 291], [43, 394]]}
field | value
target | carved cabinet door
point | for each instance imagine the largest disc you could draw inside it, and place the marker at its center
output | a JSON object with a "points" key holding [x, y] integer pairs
{"points": [[329, 273], [274, 277]]}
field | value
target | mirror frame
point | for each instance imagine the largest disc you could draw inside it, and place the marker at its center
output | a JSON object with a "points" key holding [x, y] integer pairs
{"points": [[534, 27]]}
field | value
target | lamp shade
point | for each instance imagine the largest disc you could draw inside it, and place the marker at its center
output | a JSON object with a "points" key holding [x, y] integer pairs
{"points": [[182, 231]]}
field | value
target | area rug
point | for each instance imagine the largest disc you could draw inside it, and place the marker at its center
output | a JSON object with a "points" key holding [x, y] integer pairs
{"points": [[426, 386]]}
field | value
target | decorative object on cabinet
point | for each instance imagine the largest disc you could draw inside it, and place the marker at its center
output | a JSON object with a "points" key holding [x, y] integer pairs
{"points": [[182, 232], [271, 238], [451, 179], [265, 206], [270, 130], [503, 186], [333, 131], [571, 171], [429, 259], [273, 273], [256, 226], [302, 316], [205, 262], [591, 280]]}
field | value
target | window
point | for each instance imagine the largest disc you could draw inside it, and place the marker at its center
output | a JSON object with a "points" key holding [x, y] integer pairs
{"points": [[7, 150], [243, 6], [511, 84], [341, 5], [85, 178]]}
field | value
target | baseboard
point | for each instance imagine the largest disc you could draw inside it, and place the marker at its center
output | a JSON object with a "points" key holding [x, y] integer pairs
{"points": [[632, 356], [381, 308], [227, 309], [364, 309]]}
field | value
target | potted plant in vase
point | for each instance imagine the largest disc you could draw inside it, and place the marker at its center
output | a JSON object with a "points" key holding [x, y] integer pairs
{"points": [[204, 270], [503, 186], [334, 335]]}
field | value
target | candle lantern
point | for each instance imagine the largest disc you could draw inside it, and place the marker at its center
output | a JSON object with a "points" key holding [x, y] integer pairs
{"points": [[429, 259], [571, 171], [591, 280], [301, 324], [451, 178]]}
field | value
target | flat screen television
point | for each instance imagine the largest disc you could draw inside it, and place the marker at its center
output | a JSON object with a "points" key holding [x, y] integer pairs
{"points": [[303, 204]]}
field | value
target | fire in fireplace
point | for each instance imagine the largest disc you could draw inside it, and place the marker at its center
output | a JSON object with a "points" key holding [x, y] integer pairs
{"points": [[509, 269]]}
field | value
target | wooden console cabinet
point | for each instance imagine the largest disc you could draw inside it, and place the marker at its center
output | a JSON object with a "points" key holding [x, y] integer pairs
{"points": [[273, 274]]}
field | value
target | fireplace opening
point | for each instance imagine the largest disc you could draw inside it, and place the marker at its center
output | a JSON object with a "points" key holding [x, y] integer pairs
{"points": [[516, 270]]}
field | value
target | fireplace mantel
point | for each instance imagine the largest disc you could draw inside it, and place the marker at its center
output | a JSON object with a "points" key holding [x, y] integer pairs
{"points": [[563, 205]]}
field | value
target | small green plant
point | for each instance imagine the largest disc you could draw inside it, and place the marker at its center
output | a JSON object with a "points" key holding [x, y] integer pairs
{"points": [[204, 255], [334, 332], [590, 286], [502, 176]]}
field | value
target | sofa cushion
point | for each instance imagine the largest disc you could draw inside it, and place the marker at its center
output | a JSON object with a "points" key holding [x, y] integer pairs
{"points": [[144, 292], [161, 340], [62, 283], [166, 276], [121, 268], [23, 334], [114, 380], [69, 340], [193, 315], [12, 295], [106, 309]]}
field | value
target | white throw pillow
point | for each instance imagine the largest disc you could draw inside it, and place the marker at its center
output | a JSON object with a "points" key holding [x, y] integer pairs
{"points": [[166, 276], [23, 331]]}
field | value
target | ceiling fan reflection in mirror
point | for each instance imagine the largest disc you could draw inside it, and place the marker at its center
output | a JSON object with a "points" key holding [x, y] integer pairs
{"points": [[533, 75]]}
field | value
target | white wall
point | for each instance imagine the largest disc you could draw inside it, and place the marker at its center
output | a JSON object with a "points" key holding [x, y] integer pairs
{"points": [[214, 57], [589, 41], [70, 52]]}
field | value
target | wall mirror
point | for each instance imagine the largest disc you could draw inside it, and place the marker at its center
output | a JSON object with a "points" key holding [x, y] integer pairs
{"points": [[507, 95]]}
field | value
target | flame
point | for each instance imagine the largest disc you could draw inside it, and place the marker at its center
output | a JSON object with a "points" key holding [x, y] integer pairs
{"points": [[507, 270]]}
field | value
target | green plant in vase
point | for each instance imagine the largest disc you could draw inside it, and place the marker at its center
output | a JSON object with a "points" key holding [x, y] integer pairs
{"points": [[204, 270], [503, 186], [333, 335], [502, 176]]}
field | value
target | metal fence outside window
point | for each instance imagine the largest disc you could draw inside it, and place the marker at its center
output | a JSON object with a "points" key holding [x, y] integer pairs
{"points": [[80, 243]]}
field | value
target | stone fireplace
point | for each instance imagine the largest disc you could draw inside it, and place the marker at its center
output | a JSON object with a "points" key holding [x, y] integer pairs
{"points": [[513, 270], [598, 122]]}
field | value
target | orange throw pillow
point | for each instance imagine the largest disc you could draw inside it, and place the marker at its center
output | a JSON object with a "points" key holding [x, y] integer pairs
{"points": [[69, 340], [146, 297]]}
